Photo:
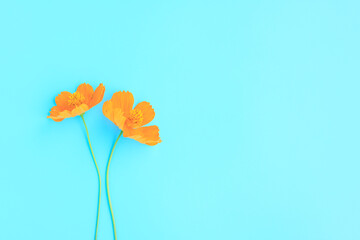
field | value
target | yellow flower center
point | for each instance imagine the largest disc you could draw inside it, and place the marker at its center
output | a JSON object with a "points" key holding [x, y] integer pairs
{"points": [[136, 118], [76, 99]]}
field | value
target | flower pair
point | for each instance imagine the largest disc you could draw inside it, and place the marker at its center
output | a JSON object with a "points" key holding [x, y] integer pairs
{"points": [[119, 109]]}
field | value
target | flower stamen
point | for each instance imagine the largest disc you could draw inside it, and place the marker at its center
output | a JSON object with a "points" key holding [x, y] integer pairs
{"points": [[136, 118], [76, 99]]}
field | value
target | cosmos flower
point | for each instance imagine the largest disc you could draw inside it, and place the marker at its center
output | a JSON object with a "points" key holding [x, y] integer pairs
{"points": [[74, 104], [119, 109]]}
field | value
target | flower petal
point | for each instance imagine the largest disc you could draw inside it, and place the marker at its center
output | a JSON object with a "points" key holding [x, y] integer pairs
{"points": [[119, 118], [97, 96], [54, 114], [124, 101], [108, 110], [147, 111], [74, 112], [115, 115], [62, 99], [86, 90], [79, 110], [147, 135]]}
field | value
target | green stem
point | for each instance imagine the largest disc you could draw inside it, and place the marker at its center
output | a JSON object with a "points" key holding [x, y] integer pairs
{"points": [[98, 172], [107, 185]]}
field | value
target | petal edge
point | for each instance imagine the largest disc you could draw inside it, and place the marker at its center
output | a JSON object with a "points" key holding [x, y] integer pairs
{"points": [[147, 135]]}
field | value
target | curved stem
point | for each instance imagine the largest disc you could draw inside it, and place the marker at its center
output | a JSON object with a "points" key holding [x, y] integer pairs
{"points": [[107, 185], [98, 172]]}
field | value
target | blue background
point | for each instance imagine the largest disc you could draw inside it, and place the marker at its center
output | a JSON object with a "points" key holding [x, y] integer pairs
{"points": [[257, 104]]}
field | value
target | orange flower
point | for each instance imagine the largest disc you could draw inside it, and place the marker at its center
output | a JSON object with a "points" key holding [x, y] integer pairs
{"points": [[131, 121], [74, 104]]}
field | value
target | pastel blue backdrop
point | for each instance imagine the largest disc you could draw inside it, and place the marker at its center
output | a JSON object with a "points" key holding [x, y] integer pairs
{"points": [[257, 104]]}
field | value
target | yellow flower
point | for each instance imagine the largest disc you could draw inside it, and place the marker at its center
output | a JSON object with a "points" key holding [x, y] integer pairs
{"points": [[119, 109], [74, 104]]}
